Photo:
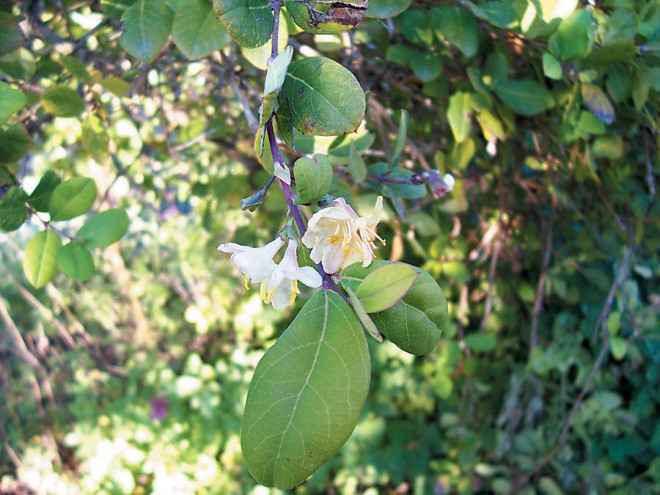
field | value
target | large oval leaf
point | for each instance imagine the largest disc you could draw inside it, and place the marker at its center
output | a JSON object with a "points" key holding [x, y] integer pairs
{"points": [[196, 31], [62, 101], [384, 9], [248, 22], [72, 198], [11, 101], [75, 261], [457, 26], [104, 228], [524, 96], [385, 286], [39, 259], [147, 25], [415, 324], [306, 394], [322, 98], [12, 209]]}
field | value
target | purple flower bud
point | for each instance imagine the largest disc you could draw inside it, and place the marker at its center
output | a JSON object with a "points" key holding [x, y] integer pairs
{"points": [[158, 408]]}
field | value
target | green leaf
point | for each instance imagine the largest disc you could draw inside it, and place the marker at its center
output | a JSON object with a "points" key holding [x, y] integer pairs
{"points": [[14, 143], [426, 65], [295, 421], [95, 139], [12, 209], [40, 197], [196, 31], [619, 82], [386, 286], [481, 342], [76, 68], [524, 96], [39, 262], [458, 26], [416, 323], [496, 12], [147, 25], [313, 178], [384, 9], [459, 116], [356, 166], [114, 9], [75, 261], [401, 138], [62, 101], [322, 97], [619, 51], [11, 101], [104, 228], [116, 85], [598, 103], [276, 71], [574, 37], [640, 87], [415, 26], [11, 35], [618, 348], [394, 190], [552, 68], [72, 198], [248, 22], [366, 321]]}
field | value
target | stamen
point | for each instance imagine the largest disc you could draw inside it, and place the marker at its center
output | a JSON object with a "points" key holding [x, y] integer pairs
{"points": [[294, 292]]}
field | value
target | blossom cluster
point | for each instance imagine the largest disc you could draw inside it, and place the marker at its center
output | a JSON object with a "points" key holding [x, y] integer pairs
{"points": [[337, 237]]}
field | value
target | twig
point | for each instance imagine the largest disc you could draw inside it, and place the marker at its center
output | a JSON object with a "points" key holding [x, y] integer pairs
{"points": [[19, 344], [540, 286], [563, 436]]}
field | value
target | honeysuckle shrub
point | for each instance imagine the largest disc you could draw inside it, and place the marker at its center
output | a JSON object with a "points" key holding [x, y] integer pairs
{"points": [[490, 325]]}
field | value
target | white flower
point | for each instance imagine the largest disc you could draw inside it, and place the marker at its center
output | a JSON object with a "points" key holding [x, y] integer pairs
{"points": [[279, 282], [338, 237], [281, 288], [255, 263]]}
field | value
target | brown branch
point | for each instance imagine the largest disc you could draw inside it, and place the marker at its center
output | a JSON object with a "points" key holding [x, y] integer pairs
{"points": [[624, 267], [19, 344], [540, 286]]}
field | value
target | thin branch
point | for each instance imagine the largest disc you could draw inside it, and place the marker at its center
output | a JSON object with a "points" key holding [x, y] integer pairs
{"points": [[621, 273], [540, 286], [19, 344]]}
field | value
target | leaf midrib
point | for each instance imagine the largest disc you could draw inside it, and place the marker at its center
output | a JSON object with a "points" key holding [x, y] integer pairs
{"points": [[307, 378]]}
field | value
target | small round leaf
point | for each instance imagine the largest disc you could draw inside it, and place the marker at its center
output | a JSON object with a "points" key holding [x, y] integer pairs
{"points": [[39, 262], [72, 198], [104, 228], [75, 261]]}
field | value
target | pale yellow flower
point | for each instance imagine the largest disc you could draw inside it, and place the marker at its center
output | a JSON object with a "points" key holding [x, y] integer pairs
{"points": [[339, 237], [279, 282], [281, 288]]}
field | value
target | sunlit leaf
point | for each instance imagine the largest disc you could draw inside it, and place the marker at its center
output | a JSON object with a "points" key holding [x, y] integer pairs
{"points": [[524, 96], [40, 197], [12, 209], [196, 31], [458, 26], [313, 178], [385, 286], [11, 101], [75, 261], [598, 103], [248, 22], [147, 25], [294, 422], [323, 98], [72, 198], [62, 101], [459, 113], [104, 228], [383, 9], [39, 262], [415, 324]]}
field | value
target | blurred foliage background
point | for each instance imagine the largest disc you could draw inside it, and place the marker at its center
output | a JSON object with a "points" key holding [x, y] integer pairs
{"points": [[133, 382]]}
